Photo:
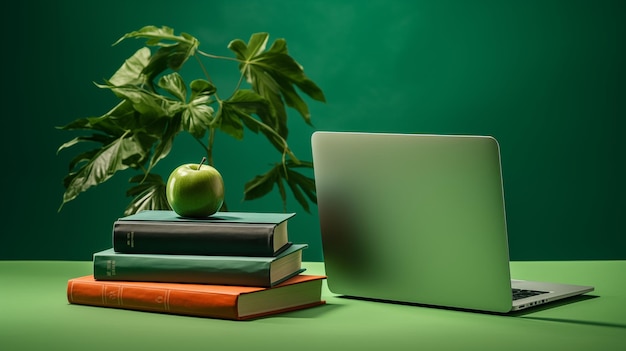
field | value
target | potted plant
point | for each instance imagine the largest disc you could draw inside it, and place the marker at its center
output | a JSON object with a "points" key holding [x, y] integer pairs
{"points": [[156, 105]]}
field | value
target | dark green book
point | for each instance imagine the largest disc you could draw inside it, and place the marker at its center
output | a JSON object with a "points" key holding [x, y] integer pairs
{"points": [[217, 270], [224, 233]]}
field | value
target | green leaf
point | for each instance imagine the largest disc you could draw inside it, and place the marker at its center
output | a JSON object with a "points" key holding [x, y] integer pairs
{"points": [[172, 57], [173, 83], [148, 104], [174, 50], [243, 105], [197, 116], [104, 163], [299, 197], [286, 74], [274, 73], [239, 109], [267, 87], [249, 102], [201, 87], [83, 157], [229, 121], [301, 186], [159, 36], [283, 193], [255, 46], [165, 141], [261, 185], [80, 139], [115, 122], [148, 194], [299, 183], [131, 71]]}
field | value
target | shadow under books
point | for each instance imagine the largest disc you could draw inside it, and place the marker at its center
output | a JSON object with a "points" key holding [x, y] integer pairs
{"points": [[306, 313]]}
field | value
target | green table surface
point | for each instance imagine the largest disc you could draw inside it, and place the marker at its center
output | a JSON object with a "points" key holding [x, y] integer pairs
{"points": [[35, 315]]}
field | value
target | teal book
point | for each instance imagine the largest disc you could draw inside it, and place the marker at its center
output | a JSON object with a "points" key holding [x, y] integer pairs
{"points": [[224, 233], [216, 270]]}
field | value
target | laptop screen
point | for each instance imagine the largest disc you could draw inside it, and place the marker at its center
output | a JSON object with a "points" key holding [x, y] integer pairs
{"points": [[413, 218]]}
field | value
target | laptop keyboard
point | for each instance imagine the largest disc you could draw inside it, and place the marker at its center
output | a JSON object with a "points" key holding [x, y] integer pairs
{"points": [[523, 293]]}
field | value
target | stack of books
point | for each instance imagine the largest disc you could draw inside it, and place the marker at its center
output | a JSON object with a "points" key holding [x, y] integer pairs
{"points": [[232, 265]]}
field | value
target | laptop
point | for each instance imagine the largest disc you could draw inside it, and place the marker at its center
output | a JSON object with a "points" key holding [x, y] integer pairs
{"points": [[419, 219]]}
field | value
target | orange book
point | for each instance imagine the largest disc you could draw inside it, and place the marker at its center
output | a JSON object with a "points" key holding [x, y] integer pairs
{"points": [[202, 300]]}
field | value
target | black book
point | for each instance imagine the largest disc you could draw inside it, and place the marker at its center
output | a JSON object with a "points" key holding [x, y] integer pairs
{"points": [[224, 233]]}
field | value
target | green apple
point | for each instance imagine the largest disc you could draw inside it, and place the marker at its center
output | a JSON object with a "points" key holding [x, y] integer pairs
{"points": [[195, 190]]}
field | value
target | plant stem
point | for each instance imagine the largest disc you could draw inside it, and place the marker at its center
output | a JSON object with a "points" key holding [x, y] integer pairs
{"points": [[202, 145], [216, 56], [241, 77], [211, 138], [209, 150], [286, 149], [206, 73]]}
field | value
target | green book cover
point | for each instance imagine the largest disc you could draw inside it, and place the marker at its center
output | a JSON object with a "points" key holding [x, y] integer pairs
{"points": [[219, 217], [217, 270], [225, 233]]}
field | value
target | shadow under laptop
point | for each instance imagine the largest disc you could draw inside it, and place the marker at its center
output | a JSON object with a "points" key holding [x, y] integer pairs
{"points": [[529, 314], [551, 305], [526, 313], [414, 304]]}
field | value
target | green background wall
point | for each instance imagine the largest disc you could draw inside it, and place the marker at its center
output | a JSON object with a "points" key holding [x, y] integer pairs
{"points": [[546, 78]]}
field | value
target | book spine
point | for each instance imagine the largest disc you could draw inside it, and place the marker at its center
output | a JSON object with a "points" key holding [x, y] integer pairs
{"points": [[183, 269], [152, 299], [193, 239]]}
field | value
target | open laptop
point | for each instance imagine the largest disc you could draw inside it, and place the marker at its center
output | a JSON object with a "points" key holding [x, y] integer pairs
{"points": [[419, 219]]}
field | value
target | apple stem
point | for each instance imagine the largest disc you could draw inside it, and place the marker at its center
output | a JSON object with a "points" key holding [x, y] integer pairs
{"points": [[201, 162]]}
